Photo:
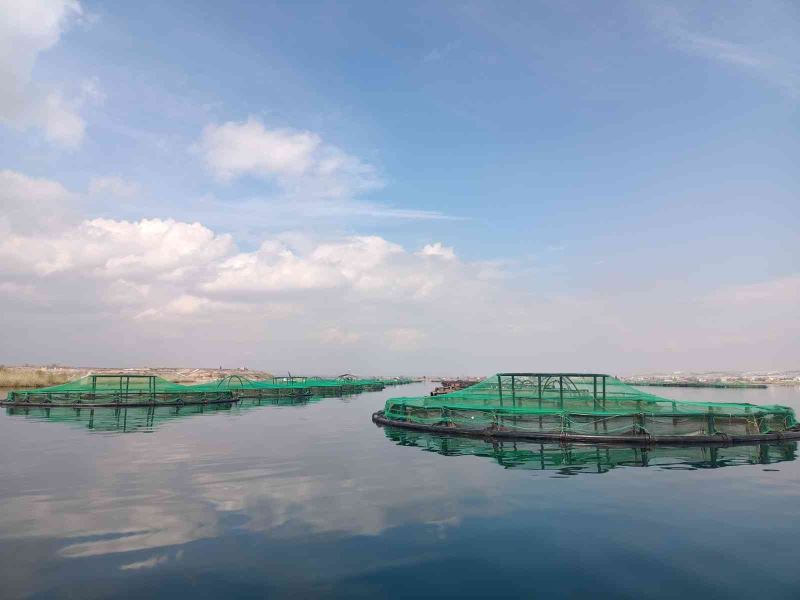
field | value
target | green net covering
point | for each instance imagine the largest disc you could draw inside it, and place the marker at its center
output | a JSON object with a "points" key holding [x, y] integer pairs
{"points": [[578, 404], [119, 388], [124, 388], [242, 387], [301, 386]]}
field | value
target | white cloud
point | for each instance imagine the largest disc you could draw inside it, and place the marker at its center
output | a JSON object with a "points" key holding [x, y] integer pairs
{"points": [[760, 38], [296, 297], [183, 305], [166, 249], [122, 292], [298, 160], [62, 124], [367, 265], [438, 250], [113, 187], [273, 267], [725, 51], [29, 204], [149, 563], [27, 29], [313, 179], [234, 149]]}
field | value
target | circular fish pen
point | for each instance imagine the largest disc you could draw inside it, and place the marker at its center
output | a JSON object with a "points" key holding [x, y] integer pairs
{"points": [[133, 390], [110, 390], [119, 389], [585, 407]]}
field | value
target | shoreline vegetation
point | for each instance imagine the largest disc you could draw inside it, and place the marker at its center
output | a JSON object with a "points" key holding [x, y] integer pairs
{"points": [[44, 376], [33, 377]]}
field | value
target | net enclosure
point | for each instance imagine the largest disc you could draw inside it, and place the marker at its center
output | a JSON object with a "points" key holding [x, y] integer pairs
{"points": [[118, 388], [585, 407], [143, 390]]}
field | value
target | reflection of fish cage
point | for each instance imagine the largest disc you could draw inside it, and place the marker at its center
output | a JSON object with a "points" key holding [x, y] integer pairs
{"points": [[115, 390], [127, 418], [584, 407], [573, 459]]}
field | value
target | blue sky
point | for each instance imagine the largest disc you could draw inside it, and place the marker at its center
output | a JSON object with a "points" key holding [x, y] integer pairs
{"points": [[625, 168]]}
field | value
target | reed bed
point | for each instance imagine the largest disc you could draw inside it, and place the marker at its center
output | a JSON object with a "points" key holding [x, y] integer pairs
{"points": [[24, 377]]}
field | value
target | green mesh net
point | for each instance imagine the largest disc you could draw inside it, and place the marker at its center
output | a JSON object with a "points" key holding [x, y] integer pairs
{"points": [[578, 404], [121, 388], [135, 389]]}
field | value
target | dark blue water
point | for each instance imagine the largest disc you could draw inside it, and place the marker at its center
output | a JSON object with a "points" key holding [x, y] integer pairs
{"points": [[313, 500]]}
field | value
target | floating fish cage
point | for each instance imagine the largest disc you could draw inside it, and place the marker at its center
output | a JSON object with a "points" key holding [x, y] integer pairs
{"points": [[118, 389], [111, 390], [144, 390], [241, 387], [585, 407], [397, 381], [575, 458]]}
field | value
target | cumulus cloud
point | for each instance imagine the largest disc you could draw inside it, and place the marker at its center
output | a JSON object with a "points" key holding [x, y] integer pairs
{"points": [[29, 204], [298, 160], [312, 179], [273, 267], [366, 265], [27, 29], [378, 304], [438, 250], [164, 249]]}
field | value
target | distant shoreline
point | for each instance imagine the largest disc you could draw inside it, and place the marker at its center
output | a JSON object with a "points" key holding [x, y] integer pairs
{"points": [[690, 384]]}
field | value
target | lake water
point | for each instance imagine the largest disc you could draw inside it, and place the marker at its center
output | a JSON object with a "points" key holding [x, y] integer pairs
{"points": [[313, 500]]}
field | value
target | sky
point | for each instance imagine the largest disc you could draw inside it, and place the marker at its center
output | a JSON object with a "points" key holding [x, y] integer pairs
{"points": [[415, 187]]}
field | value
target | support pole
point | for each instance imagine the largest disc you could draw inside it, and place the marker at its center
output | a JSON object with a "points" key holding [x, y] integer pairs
{"points": [[500, 388], [513, 392]]}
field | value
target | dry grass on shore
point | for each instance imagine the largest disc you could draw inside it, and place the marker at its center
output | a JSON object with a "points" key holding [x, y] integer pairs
{"points": [[20, 377]]}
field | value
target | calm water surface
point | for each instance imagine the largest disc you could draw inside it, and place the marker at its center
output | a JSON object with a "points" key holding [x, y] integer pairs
{"points": [[313, 500]]}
